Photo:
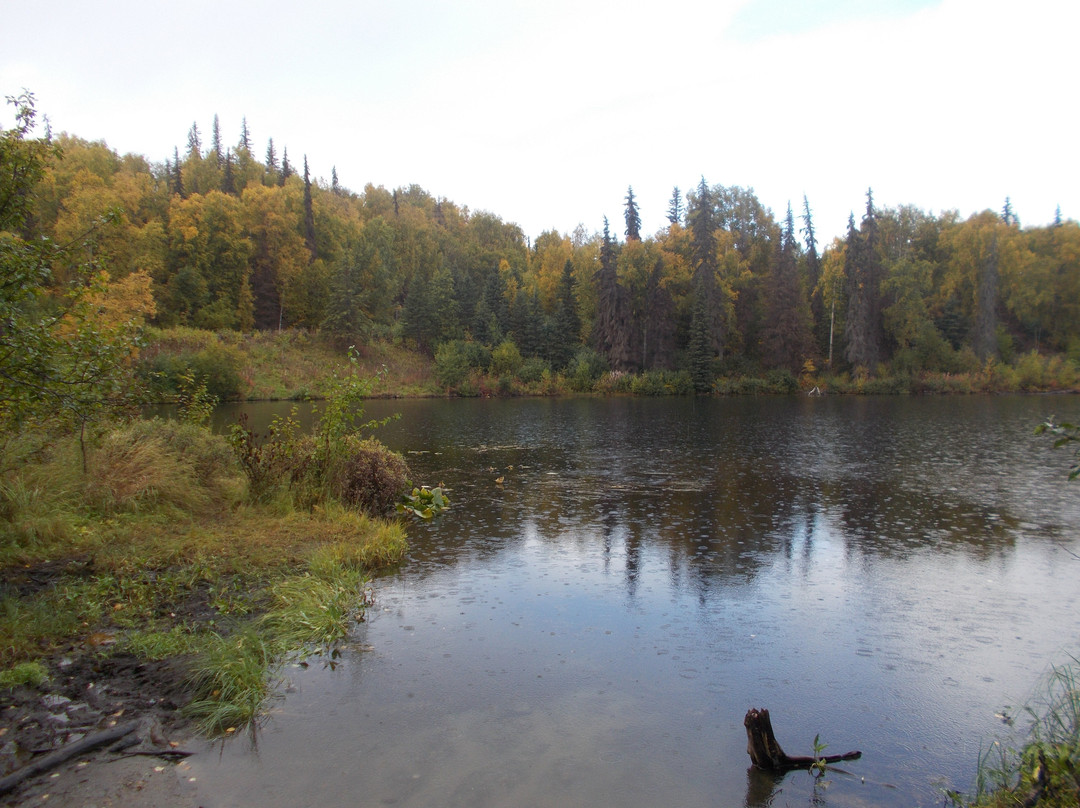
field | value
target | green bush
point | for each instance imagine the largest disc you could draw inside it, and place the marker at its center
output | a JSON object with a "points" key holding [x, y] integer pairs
{"points": [[455, 361], [369, 477], [532, 370], [217, 366], [781, 380], [585, 370], [506, 359]]}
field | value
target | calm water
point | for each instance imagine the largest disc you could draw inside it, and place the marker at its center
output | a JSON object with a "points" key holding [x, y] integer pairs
{"points": [[887, 572]]}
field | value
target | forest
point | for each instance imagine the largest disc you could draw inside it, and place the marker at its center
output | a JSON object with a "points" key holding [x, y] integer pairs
{"points": [[242, 238]]}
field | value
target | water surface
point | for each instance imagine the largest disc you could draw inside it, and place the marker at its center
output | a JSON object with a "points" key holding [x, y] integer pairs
{"points": [[887, 572]]}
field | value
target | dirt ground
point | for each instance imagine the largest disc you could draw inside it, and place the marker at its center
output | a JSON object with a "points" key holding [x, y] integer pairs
{"points": [[85, 696]]}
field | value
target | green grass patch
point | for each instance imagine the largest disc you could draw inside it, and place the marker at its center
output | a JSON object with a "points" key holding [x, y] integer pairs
{"points": [[154, 552], [24, 674]]}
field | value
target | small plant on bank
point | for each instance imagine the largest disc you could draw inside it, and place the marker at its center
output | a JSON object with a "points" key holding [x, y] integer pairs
{"points": [[818, 767], [1045, 770], [25, 674]]}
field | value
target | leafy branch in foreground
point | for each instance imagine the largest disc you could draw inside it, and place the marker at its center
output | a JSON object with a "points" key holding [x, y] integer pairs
{"points": [[68, 334], [1066, 435]]}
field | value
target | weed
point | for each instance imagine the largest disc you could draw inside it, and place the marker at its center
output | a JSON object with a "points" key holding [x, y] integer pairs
{"points": [[232, 680], [24, 674], [177, 641], [1045, 769]]}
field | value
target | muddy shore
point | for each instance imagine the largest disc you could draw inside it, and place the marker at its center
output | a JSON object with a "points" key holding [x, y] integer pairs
{"points": [[86, 695]]}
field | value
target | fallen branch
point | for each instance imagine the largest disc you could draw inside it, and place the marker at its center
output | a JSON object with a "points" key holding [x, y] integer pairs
{"points": [[765, 751], [66, 753]]}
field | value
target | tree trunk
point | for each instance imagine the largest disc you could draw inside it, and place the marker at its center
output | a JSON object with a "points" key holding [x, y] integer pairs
{"points": [[765, 751]]}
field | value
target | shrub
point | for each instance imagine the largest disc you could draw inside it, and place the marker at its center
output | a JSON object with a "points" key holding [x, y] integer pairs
{"points": [[455, 360], [506, 359], [584, 371], [781, 380], [216, 366], [369, 477], [156, 462], [532, 370]]}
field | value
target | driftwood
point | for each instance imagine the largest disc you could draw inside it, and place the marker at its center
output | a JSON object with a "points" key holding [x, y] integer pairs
{"points": [[66, 753], [765, 751]]}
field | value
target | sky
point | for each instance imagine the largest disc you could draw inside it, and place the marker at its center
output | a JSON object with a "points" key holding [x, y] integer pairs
{"points": [[544, 113]]}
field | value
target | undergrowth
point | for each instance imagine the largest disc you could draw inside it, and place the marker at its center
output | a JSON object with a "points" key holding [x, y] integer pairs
{"points": [[1042, 767], [159, 550]]}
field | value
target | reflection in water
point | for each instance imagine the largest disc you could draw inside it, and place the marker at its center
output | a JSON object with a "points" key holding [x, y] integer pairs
{"points": [[885, 572]]}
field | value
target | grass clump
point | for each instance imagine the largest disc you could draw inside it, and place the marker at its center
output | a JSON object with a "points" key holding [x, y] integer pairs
{"points": [[232, 680], [1043, 769], [24, 674]]}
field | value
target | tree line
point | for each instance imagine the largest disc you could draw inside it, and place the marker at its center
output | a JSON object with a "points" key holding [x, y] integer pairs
{"points": [[215, 237]]}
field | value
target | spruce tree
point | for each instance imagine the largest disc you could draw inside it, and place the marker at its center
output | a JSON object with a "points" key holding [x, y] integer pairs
{"points": [[194, 141], [633, 218], [611, 331], [228, 180], [699, 350], [864, 328], [244, 145], [219, 155], [658, 333], [271, 158], [567, 322], [335, 186], [675, 210], [786, 340], [309, 213], [702, 220], [813, 279], [178, 179], [286, 166]]}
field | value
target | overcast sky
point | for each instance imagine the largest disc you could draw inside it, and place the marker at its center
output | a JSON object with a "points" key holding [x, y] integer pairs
{"points": [[545, 112]]}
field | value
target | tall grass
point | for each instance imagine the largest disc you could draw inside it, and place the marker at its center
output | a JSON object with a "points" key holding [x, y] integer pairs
{"points": [[1044, 768]]}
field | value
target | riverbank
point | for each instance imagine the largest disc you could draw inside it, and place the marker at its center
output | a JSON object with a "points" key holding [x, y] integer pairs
{"points": [[295, 365], [146, 586]]}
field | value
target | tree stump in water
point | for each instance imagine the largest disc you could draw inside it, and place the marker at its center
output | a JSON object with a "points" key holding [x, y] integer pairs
{"points": [[765, 751]]}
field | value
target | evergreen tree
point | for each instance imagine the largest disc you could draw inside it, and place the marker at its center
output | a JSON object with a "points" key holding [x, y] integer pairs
{"points": [[813, 280], [787, 322], [567, 336], [346, 319], [335, 186], [244, 145], [864, 328], [194, 141], [271, 159], [228, 181], [702, 219], [658, 333], [675, 210], [219, 155], [177, 178], [286, 167], [611, 331], [526, 323], [309, 213], [700, 353], [633, 218], [1008, 215]]}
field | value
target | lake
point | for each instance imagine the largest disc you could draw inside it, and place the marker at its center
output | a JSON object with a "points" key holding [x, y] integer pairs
{"points": [[894, 574]]}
